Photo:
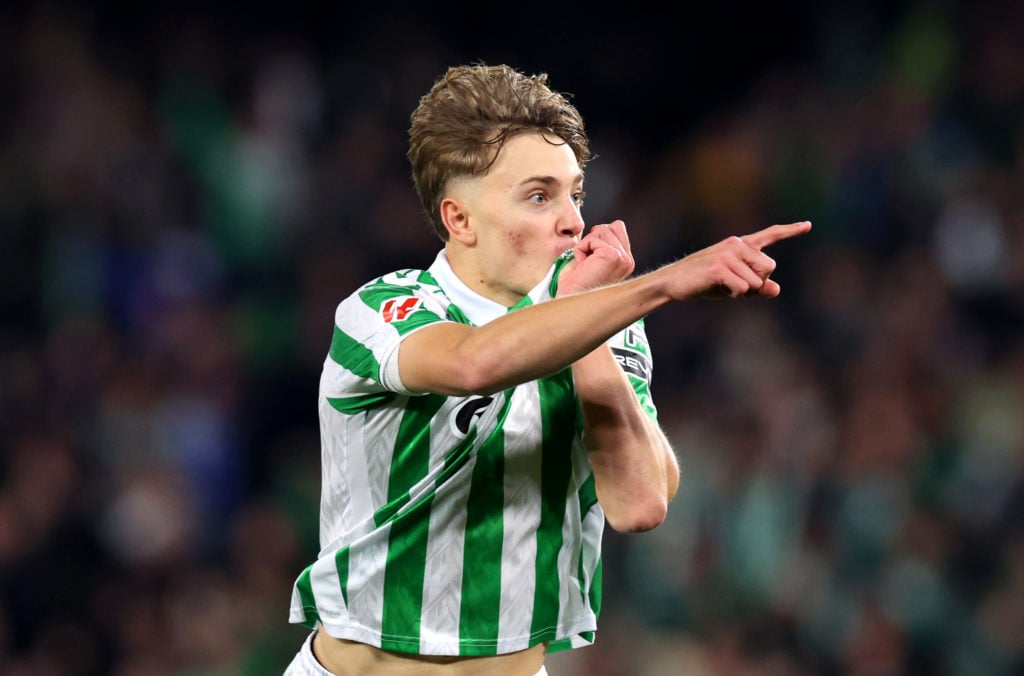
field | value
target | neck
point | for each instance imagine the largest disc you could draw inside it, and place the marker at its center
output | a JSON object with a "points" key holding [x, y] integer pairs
{"points": [[480, 280]]}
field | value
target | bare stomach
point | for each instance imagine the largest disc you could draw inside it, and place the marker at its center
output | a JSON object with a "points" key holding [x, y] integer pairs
{"points": [[348, 658]]}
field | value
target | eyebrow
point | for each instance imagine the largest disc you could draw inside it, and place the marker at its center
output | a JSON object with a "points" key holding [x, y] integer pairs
{"points": [[549, 180]]}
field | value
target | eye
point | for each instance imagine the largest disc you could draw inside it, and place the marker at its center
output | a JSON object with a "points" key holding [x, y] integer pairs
{"points": [[578, 198], [538, 198]]}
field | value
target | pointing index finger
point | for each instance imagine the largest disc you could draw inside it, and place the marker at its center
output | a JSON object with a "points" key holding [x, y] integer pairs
{"points": [[775, 233]]}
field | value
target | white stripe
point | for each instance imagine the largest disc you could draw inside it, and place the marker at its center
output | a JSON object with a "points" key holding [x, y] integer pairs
{"points": [[570, 604], [577, 641], [442, 576], [582, 545], [593, 525], [345, 499], [443, 570], [366, 580], [522, 498], [296, 612], [377, 431]]}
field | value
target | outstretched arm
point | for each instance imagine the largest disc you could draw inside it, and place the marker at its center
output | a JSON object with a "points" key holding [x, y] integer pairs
{"points": [[456, 359]]}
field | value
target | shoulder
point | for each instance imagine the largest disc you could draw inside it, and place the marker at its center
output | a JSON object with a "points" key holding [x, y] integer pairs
{"points": [[407, 283], [393, 298]]}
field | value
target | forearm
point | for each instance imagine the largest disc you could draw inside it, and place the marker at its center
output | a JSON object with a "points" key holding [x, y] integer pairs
{"points": [[521, 346], [635, 469]]}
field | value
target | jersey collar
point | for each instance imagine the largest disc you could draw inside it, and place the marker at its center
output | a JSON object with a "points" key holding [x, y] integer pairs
{"points": [[480, 310]]}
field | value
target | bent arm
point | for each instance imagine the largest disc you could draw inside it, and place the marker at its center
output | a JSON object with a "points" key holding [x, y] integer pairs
{"points": [[636, 473]]}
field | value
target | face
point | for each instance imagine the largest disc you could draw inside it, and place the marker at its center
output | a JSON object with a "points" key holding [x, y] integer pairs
{"points": [[513, 222]]}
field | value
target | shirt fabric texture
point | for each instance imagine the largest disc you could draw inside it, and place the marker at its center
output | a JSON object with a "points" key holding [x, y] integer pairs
{"points": [[453, 525]]}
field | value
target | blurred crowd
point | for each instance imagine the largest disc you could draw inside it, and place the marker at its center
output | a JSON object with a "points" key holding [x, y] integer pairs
{"points": [[179, 217]]}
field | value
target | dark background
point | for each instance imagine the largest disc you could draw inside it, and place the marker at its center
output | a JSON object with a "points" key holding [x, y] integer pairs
{"points": [[186, 192]]}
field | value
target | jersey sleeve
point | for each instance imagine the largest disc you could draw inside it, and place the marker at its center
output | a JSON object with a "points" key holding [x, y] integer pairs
{"points": [[629, 347], [633, 353], [368, 327]]}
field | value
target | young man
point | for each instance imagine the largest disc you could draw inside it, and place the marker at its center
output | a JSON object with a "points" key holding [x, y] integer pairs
{"points": [[481, 419]]}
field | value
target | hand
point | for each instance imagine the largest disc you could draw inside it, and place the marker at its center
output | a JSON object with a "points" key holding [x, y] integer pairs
{"points": [[734, 267], [603, 256]]}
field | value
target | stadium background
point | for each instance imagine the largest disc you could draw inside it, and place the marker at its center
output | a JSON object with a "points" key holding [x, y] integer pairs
{"points": [[186, 192]]}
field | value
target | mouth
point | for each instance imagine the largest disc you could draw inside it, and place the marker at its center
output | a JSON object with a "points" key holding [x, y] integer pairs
{"points": [[565, 246]]}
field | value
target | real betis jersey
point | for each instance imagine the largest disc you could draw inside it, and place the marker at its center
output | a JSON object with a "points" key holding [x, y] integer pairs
{"points": [[453, 525]]}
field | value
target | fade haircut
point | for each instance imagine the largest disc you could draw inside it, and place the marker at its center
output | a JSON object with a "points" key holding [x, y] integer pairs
{"points": [[462, 123]]}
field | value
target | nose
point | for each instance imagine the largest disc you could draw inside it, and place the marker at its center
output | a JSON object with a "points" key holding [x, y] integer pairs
{"points": [[571, 223]]}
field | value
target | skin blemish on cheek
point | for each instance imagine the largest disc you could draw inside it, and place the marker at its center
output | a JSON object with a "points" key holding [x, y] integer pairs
{"points": [[516, 242]]}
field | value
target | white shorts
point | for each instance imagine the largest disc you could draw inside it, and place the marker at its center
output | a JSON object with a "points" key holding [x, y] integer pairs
{"points": [[305, 664]]}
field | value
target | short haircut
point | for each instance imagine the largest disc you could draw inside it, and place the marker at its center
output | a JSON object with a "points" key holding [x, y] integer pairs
{"points": [[462, 123]]}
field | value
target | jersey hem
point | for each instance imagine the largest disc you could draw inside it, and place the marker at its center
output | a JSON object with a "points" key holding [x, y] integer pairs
{"points": [[577, 635]]}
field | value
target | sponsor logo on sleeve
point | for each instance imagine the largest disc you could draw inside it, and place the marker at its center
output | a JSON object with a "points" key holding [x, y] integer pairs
{"points": [[634, 338], [397, 309], [633, 363]]}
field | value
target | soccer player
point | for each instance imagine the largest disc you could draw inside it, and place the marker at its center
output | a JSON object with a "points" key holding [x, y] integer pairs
{"points": [[481, 419]]}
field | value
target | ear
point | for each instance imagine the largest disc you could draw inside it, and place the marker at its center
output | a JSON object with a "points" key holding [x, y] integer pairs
{"points": [[455, 216]]}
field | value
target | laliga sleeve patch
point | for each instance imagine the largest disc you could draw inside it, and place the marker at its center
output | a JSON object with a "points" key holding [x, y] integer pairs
{"points": [[397, 309]]}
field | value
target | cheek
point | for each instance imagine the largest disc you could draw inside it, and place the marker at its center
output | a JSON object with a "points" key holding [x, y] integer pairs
{"points": [[516, 242]]}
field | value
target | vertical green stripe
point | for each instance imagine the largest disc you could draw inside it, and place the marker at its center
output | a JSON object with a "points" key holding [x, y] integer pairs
{"points": [[587, 496], [308, 601], [341, 563], [595, 588], [410, 462], [556, 469], [453, 461], [481, 582], [403, 581], [407, 541]]}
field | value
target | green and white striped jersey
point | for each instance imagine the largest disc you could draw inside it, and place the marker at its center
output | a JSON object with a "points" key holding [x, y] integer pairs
{"points": [[452, 525]]}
